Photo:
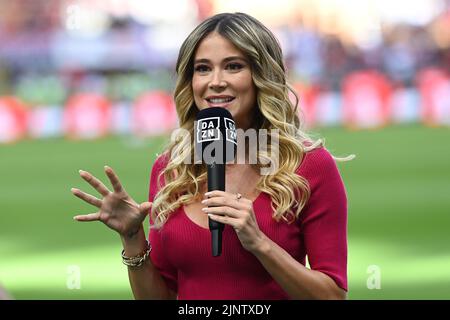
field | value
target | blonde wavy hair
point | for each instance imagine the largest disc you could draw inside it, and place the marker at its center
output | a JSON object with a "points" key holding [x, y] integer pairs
{"points": [[288, 190]]}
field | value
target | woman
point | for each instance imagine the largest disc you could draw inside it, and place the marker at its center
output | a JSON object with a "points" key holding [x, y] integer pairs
{"points": [[271, 221]]}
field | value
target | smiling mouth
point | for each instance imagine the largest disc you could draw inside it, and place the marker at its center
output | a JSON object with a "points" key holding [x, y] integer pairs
{"points": [[219, 102]]}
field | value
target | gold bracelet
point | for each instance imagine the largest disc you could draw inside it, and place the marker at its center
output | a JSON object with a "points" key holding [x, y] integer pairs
{"points": [[138, 260]]}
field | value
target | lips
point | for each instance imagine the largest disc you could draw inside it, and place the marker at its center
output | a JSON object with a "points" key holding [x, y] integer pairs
{"points": [[219, 101]]}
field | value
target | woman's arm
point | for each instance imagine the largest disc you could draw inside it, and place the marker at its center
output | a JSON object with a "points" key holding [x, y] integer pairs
{"points": [[145, 281], [121, 213], [297, 280], [323, 227]]}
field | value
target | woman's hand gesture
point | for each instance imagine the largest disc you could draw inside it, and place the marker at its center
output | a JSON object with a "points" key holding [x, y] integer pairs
{"points": [[117, 209], [237, 212]]}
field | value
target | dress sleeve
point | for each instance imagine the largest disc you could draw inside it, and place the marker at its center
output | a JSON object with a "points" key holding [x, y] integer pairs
{"points": [[324, 219], [157, 255]]}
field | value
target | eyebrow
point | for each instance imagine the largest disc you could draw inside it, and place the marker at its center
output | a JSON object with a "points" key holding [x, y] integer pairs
{"points": [[224, 60]]}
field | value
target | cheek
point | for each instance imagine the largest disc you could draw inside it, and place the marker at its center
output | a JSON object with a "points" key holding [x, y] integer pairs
{"points": [[197, 89], [245, 81], [247, 86]]}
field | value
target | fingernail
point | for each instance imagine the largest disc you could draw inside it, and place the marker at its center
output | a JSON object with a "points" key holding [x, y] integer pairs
{"points": [[80, 171], [74, 218], [208, 193], [73, 189], [204, 201], [106, 167], [205, 209]]}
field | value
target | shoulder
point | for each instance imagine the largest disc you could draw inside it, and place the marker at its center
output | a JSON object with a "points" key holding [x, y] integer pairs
{"points": [[317, 160], [161, 162], [327, 190], [156, 179], [158, 166], [319, 168]]}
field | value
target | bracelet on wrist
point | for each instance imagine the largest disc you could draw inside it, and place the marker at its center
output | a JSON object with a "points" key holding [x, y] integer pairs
{"points": [[138, 260]]}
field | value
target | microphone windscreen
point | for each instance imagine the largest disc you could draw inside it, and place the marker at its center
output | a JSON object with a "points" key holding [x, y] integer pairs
{"points": [[215, 136]]}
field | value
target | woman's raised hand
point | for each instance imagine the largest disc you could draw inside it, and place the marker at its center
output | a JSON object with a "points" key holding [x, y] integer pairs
{"points": [[116, 209]]}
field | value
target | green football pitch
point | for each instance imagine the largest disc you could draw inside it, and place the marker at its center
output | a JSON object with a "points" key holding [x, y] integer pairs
{"points": [[398, 189]]}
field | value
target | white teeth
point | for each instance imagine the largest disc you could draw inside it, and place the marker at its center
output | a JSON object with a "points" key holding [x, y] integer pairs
{"points": [[220, 100]]}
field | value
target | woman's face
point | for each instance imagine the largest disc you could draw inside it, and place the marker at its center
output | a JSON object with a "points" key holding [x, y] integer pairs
{"points": [[222, 78]]}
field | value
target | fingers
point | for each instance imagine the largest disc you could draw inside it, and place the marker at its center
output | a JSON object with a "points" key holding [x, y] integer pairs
{"points": [[215, 193], [87, 197], [228, 195], [223, 211], [93, 181], [117, 186], [233, 222], [88, 217], [221, 198], [144, 207]]}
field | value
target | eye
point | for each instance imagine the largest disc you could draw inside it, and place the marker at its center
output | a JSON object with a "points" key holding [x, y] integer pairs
{"points": [[201, 68], [235, 66]]}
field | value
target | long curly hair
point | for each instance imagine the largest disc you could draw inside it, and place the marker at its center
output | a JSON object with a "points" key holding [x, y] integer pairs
{"points": [[289, 192]]}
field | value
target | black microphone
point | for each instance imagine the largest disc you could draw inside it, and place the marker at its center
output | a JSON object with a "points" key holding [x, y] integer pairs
{"points": [[215, 144]]}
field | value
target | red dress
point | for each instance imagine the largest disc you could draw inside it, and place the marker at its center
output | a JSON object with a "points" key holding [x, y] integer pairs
{"points": [[182, 248]]}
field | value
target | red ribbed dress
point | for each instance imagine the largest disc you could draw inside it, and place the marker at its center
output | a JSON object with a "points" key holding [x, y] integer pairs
{"points": [[182, 248]]}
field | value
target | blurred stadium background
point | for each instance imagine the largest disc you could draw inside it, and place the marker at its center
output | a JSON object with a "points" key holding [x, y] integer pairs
{"points": [[88, 83]]}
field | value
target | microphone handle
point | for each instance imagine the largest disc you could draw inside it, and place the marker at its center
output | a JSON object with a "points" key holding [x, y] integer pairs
{"points": [[216, 181]]}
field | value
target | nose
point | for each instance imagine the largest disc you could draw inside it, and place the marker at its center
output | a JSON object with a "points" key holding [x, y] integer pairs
{"points": [[217, 81]]}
